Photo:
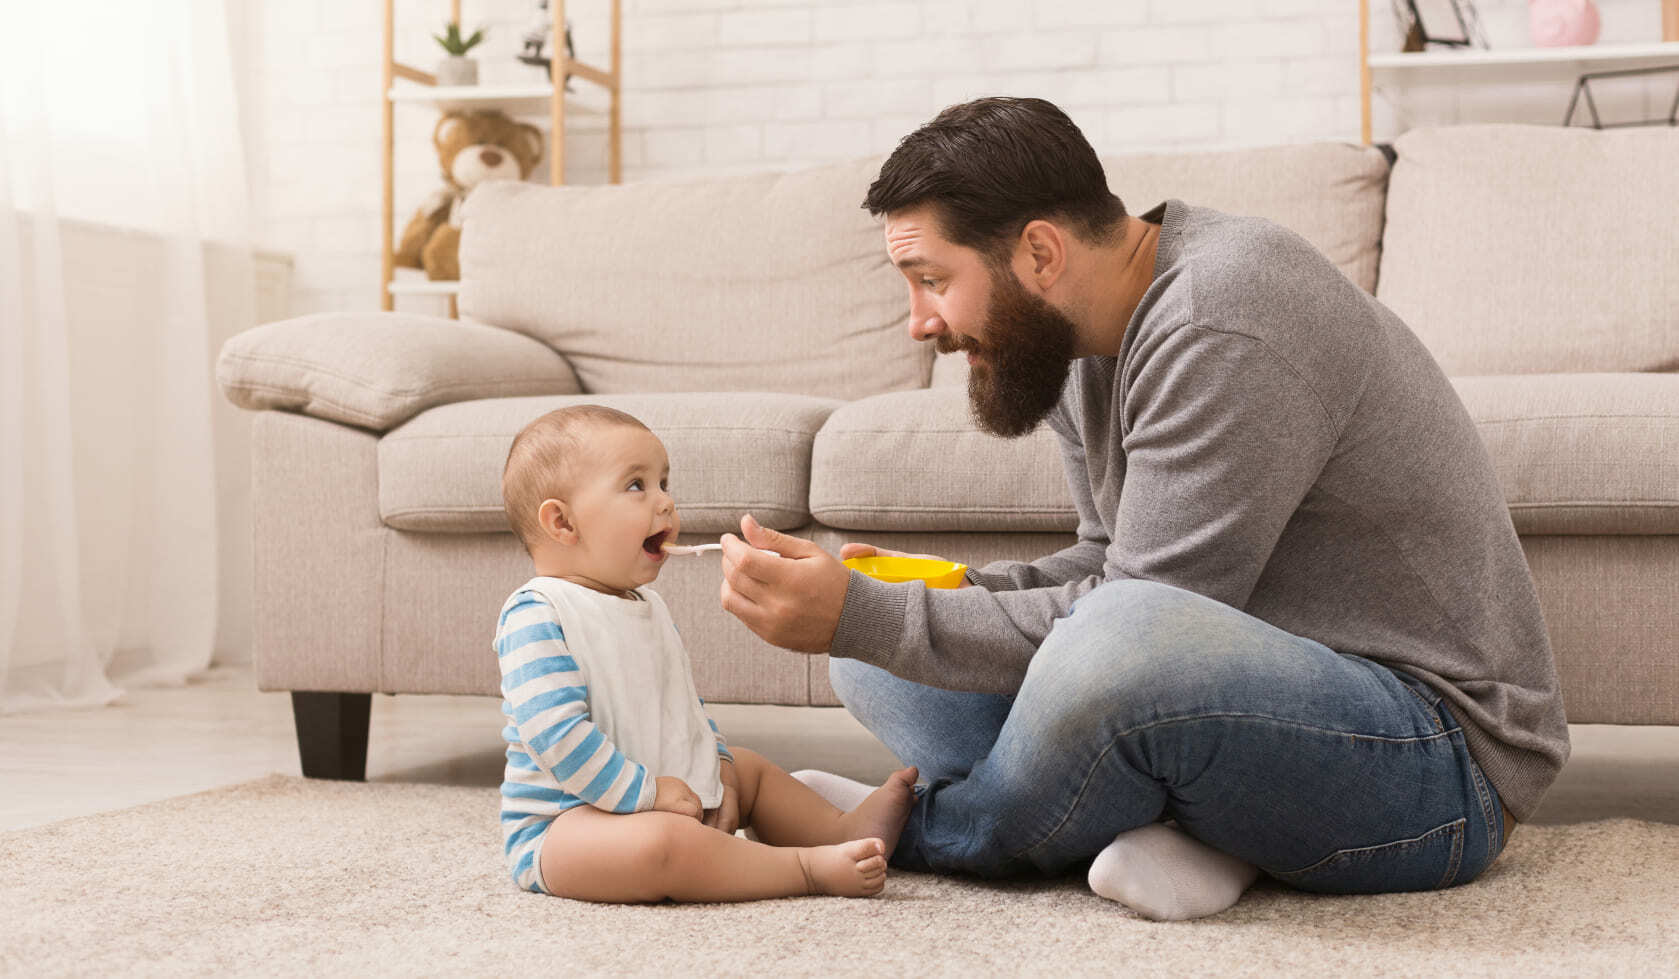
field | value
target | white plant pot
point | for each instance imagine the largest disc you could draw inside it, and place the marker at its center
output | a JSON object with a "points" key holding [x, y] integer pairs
{"points": [[457, 69]]}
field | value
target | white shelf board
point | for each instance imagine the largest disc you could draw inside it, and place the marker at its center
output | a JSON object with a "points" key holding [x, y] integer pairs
{"points": [[1605, 56], [424, 287], [530, 99]]}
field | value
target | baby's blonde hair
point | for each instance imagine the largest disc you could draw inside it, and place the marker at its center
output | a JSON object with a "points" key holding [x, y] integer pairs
{"points": [[545, 460]]}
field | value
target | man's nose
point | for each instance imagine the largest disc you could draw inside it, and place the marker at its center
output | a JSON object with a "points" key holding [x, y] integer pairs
{"points": [[922, 327]]}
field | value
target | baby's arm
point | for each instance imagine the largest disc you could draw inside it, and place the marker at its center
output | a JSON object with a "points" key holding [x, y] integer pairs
{"points": [[548, 697]]}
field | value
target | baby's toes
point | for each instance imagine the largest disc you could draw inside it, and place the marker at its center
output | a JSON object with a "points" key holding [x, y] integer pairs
{"points": [[860, 850], [873, 864]]}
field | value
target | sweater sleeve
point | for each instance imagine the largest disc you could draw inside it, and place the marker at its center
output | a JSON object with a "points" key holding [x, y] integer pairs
{"points": [[1223, 441], [548, 700]]}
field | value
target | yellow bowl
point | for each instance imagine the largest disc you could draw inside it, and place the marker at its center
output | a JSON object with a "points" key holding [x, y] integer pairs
{"points": [[937, 574]]}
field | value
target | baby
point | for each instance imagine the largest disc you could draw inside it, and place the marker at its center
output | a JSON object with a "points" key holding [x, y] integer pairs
{"points": [[619, 786]]}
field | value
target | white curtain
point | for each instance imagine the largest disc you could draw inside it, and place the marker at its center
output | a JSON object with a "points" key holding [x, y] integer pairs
{"points": [[121, 170]]}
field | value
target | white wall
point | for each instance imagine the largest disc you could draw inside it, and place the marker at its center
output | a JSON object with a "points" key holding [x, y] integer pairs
{"points": [[715, 86]]}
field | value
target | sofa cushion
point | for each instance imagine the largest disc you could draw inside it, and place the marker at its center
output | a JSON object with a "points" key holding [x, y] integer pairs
{"points": [[768, 282], [377, 370], [1574, 453], [729, 454], [914, 460], [1536, 249], [1331, 194], [1582, 453]]}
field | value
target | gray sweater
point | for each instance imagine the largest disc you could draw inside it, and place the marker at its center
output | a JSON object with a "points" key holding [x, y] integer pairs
{"points": [[1272, 437]]}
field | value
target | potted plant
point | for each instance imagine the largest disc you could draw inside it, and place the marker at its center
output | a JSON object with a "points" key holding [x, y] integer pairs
{"points": [[457, 68]]}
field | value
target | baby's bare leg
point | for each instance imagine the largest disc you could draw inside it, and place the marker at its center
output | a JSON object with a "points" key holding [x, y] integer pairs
{"points": [[592, 855], [784, 811]]}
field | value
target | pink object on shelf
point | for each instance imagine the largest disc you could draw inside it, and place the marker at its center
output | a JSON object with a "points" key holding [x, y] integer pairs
{"points": [[1563, 23]]}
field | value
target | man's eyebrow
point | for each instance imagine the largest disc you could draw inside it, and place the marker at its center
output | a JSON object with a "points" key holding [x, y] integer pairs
{"points": [[913, 262]]}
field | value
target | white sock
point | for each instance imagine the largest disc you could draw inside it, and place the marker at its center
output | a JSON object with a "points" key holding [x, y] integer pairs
{"points": [[1163, 873], [841, 792]]}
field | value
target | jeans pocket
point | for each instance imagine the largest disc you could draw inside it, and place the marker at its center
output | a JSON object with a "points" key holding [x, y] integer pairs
{"points": [[1423, 863]]}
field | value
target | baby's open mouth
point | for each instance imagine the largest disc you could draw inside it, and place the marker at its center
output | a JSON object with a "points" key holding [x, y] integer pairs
{"points": [[654, 544]]}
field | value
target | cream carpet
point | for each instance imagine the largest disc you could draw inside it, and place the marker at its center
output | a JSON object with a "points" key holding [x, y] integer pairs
{"points": [[284, 876]]}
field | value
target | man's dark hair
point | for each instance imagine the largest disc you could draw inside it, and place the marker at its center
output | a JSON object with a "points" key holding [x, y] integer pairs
{"points": [[991, 166]]}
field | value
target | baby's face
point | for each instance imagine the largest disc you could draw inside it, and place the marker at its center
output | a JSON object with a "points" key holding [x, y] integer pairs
{"points": [[623, 510]]}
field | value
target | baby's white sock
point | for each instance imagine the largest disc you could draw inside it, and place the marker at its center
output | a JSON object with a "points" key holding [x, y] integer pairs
{"points": [[1164, 873], [841, 792]]}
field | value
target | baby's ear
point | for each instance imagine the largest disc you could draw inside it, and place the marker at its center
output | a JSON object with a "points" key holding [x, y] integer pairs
{"points": [[555, 519]]}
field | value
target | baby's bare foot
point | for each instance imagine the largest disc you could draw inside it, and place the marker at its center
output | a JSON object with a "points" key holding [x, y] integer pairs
{"points": [[883, 813], [854, 869]]}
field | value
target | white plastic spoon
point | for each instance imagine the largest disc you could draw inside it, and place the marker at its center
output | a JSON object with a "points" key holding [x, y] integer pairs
{"points": [[697, 548]]}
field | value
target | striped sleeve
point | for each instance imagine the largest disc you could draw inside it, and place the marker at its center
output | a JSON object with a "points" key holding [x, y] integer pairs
{"points": [[548, 697], [722, 746]]}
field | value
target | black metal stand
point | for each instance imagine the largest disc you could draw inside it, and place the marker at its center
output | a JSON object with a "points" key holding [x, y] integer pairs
{"points": [[332, 733], [1582, 87]]}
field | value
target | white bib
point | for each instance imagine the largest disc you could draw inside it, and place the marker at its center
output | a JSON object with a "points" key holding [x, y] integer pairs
{"points": [[641, 686]]}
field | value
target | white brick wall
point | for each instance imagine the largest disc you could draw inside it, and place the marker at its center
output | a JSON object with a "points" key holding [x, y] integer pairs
{"points": [[723, 86]]}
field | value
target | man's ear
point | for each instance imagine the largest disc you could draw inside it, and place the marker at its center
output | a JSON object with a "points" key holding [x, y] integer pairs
{"points": [[1042, 254], [555, 519]]}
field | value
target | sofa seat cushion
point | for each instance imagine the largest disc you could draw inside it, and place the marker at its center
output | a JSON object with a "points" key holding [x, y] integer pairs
{"points": [[915, 461], [729, 454], [1582, 453], [1574, 453]]}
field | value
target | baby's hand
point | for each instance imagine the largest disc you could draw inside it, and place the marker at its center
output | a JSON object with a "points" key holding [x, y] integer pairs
{"points": [[674, 795]]}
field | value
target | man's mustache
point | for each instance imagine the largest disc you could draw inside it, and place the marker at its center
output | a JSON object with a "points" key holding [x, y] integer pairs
{"points": [[947, 343]]}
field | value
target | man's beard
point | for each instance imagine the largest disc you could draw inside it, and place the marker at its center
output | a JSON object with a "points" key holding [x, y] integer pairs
{"points": [[1023, 363]]}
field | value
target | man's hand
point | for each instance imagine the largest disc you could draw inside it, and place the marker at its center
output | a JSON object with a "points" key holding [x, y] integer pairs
{"points": [[726, 816], [851, 550], [792, 601], [674, 795]]}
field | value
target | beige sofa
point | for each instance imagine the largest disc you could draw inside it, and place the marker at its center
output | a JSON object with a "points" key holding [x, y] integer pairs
{"points": [[755, 324]]}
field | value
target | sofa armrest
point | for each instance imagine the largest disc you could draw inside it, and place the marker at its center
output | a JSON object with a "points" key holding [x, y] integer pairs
{"points": [[377, 370]]}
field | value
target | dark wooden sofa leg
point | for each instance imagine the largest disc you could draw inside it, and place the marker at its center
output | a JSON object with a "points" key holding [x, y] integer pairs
{"points": [[332, 733]]}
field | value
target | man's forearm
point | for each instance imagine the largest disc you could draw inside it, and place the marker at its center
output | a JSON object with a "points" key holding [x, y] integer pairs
{"points": [[959, 639], [1074, 563]]}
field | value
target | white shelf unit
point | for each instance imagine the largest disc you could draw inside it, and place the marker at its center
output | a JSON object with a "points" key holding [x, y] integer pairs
{"points": [[517, 100], [1603, 55], [1509, 64]]}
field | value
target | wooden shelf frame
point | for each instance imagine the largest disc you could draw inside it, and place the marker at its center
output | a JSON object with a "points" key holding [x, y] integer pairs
{"points": [[561, 68]]}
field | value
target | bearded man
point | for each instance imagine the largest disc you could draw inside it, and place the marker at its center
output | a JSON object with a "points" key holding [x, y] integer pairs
{"points": [[1296, 624]]}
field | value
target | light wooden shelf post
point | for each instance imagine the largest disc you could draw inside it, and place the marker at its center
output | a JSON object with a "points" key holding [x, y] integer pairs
{"points": [[614, 157], [387, 255], [559, 69], [1364, 69]]}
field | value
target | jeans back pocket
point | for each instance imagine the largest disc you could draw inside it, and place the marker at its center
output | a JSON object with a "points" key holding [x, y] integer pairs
{"points": [[1423, 863]]}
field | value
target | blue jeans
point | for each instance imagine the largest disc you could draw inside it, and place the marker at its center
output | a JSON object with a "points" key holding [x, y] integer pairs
{"points": [[1329, 772]]}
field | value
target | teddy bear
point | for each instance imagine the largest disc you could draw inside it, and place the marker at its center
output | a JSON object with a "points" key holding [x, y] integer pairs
{"points": [[473, 147]]}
